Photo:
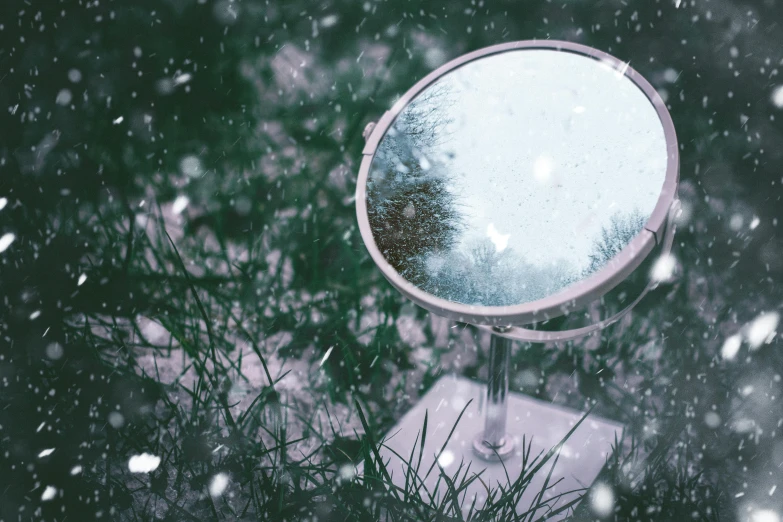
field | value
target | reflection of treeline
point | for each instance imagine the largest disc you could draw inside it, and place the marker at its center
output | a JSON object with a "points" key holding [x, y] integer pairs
{"points": [[480, 275], [412, 206], [623, 227]]}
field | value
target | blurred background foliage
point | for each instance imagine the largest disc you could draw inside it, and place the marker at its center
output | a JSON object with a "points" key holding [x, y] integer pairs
{"points": [[182, 274]]}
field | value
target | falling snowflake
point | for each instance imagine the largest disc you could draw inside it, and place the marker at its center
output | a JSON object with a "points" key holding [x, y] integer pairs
{"points": [[602, 500], [730, 347], [180, 204], [777, 97], [762, 329], [445, 458], [49, 493], [764, 515], [75, 75], [736, 222], [326, 356], [347, 471], [329, 20], [6, 241], [144, 463], [64, 97], [116, 420], [191, 166], [663, 270], [218, 484], [542, 168], [54, 351], [712, 419], [182, 79], [499, 240]]}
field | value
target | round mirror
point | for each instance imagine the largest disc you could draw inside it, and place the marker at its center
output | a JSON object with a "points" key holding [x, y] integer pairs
{"points": [[518, 182]]}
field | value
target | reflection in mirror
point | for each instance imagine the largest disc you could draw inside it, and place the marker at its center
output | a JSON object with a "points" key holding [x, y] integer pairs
{"points": [[515, 176]]}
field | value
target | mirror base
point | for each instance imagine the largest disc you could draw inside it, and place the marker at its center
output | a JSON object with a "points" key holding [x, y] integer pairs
{"points": [[493, 453], [538, 424]]}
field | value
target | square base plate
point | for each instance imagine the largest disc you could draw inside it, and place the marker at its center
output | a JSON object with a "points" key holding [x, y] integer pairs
{"points": [[543, 425]]}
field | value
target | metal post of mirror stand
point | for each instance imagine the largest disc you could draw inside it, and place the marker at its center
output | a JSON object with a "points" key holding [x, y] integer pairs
{"points": [[494, 443]]}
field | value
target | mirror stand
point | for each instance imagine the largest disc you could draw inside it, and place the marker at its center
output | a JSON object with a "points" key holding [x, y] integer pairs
{"points": [[494, 443]]}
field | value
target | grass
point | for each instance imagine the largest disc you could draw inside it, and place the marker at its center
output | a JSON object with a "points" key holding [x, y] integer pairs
{"points": [[251, 335]]}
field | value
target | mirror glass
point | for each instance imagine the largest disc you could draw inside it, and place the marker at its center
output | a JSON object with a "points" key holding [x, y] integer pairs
{"points": [[514, 176]]}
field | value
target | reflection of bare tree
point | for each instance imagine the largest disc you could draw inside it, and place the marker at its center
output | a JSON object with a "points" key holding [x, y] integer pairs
{"points": [[487, 265], [424, 121], [412, 207], [420, 218], [484, 255], [623, 227]]}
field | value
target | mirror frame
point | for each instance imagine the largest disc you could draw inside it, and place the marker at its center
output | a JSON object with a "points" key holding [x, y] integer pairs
{"points": [[575, 296]]}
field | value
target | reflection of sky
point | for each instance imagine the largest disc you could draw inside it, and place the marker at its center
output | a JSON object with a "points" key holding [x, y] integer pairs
{"points": [[548, 145]]}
